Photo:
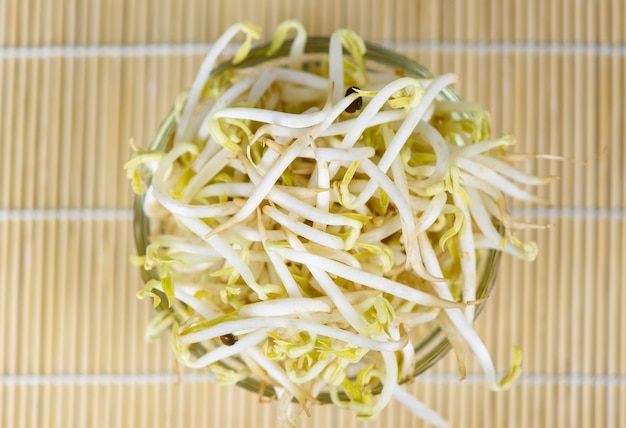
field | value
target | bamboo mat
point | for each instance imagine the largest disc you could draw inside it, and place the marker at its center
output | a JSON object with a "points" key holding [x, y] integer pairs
{"points": [[78, 79]]}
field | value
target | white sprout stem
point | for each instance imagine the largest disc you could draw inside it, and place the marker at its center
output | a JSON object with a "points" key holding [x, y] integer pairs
{"points": [[380, 179], [484, 187], [287, 280], [252, 235], [328, 154], [293, 120], [400, 180], [408, 361], [208, 171], [457, 340], [379, 118], [283, 307], [151, 206], [527, 251], [482, 217], [292, 287], [309, 212], [338, 255], [397, 170], [301, 229], [373, 107], [191, 301], [265, 185], [168, 160], [391, 226], [293, 290], [389, 382], [297, 47], [201, 230], [364, 278], [468, 257], [287, 412], [334, 317], [314, 372], [432, 212], [228, 189], [175, 206], [417, 317], [462, 324], [496, 180], [322, 176], [480, 147], [220, 353], [227, 98], [418, 408], [246, 189], [335, 66], [292, 93], [194, 264], [458, 343], [317, 386], [430, 257], [203, 75], [329, 287], [338, 128], [275, 372], [354, 339], [197, 211], [285, 200], [267, 161], [186, 246], [265, 80], [276, 131], [478, 348], [202, 211], [495, 205], [440, 148], [353, 297], [414, 118], [209, 150], [407, 128], [506, 170]]}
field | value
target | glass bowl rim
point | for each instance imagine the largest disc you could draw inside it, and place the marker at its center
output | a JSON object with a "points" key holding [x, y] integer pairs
{"points": [[383, 56]]}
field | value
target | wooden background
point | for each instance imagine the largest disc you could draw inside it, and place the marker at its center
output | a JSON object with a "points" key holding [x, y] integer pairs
{"points": [[79, 78]]}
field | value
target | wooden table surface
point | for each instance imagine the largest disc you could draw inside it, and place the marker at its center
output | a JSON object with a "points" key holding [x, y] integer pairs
{"points": [[78, 79]]}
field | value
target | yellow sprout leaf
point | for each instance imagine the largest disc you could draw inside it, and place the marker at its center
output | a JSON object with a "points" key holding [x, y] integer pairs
{"points": [[281, 34], [146, 291], [168, 288], [516, 371], [252, 32]]}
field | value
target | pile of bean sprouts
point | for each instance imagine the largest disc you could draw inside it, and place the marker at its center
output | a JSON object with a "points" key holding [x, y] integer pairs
{"points": [[308, 217]]}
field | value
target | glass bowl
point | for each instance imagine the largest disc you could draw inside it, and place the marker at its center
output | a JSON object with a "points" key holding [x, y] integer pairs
{"points": [[434, 344]]}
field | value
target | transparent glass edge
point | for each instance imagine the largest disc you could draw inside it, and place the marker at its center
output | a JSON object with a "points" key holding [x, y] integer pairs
{"points": [[490, 259]]}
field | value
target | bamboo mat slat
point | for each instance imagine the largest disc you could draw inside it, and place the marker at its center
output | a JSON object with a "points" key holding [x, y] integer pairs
{"points": [[79, 79], [193, 404], [118, 22]]}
